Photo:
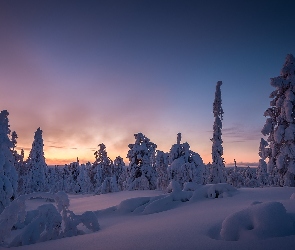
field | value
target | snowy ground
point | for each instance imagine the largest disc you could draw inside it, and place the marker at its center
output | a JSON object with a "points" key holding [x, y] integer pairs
{"points": [[185, 225]]}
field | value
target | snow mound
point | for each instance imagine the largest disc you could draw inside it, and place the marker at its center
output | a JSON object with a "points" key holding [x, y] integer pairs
{"points": [[190, 192], [292, 196], [259, 221], [212, 191]]}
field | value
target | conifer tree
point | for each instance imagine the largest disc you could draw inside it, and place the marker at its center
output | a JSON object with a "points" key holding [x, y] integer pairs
{"points": [[218, 174], [141, 174], [36, 164], [184, 164], [8, 174], [280, 124], [161, 166]]}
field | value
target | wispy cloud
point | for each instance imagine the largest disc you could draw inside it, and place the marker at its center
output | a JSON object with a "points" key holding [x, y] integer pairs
{"points": [[240, 133]]}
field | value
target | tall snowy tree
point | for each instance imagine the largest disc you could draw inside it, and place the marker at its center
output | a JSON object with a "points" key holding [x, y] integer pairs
{"points": [[217, 174], [36, 164], [8, 174], [141, 173], [280, 124]]}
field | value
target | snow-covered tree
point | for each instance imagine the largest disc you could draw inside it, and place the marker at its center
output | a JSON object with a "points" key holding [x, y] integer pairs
{"points": [[161, 166], [119, 170], [83, 180], [184, 164], [36, 164], [102, 159], [217, 174], [8, 174], [280, 124], [262, 175], [101, 168], [234, 176], [141, 174]]}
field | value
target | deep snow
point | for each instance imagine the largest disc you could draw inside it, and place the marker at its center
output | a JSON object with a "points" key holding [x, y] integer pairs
{"points": [[260, 218]]}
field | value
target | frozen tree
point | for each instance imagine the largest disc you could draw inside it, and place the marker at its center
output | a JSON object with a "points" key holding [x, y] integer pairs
{"points": [[36, 164], [217, 174], [184, 164], [102, 160], [8, 174], [119, 171], [101, 168], [161, 166], [83, 180], [19, 165], [262, 176], [280, 124], [141, 174], [234, 176]]}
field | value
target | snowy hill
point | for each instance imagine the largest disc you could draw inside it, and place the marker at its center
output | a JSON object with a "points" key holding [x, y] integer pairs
{"points": [[248, 218]]}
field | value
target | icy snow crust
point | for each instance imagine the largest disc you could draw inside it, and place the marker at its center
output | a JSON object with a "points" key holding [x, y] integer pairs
{"points": [[197, 217]]}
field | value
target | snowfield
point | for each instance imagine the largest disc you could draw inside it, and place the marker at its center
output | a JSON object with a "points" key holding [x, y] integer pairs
{"points": [[246, 218]]}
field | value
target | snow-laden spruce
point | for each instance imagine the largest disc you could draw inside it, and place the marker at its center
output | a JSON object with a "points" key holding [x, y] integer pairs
{"points": [[161, 165], [141, 174], [185, 165], [101, 168], [280, 124], [36, 164], [217, 174], [8, 174]]}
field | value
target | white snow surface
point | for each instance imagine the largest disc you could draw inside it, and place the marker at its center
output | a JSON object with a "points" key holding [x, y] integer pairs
{"points": [[249, 218]]}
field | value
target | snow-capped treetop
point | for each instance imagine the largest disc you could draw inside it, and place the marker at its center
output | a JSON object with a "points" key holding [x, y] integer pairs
{"points": [[287, 76], [178, 138], [217, 109], [37, 152], [4, 128], [13, 139]]}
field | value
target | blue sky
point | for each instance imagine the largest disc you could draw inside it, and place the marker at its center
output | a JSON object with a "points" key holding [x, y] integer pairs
{"points": [[88, 72]]}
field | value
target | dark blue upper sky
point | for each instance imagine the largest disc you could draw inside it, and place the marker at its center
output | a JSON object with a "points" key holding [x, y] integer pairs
{"points": [[99, 71]]}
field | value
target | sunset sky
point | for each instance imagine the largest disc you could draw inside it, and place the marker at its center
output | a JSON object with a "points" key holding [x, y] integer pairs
{"points": [[91, 72]]}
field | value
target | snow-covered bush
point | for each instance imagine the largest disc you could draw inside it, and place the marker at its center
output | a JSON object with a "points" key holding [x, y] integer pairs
{"points": [[280, 124], [47, 222]]}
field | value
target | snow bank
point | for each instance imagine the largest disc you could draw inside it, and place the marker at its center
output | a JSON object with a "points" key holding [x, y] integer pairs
{"points": [[220, 190], [259, 221], [190, 192]]}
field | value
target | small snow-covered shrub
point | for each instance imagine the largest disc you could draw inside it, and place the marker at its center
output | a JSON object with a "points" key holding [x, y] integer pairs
{"points": [[47, 222], [259, 221], [292, 196], [219, 190]]}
